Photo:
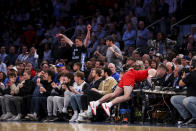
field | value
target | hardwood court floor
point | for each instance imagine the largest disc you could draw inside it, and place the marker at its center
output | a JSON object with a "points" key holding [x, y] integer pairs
{"points": [[17, 126]]}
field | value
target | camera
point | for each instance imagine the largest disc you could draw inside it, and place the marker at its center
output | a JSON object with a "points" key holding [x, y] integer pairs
{"points": [[157, 81], [186, 70]]}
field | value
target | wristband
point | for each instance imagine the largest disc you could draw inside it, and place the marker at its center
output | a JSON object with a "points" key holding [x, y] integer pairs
{"points": [[100, 92]]}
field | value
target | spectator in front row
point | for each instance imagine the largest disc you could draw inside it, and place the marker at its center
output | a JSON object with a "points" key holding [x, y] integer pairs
{"points": [[10, 90], [97, 91], [20, 104], [185, 105], [96, 75], [54, 102], [79, 88], [42, 91]]}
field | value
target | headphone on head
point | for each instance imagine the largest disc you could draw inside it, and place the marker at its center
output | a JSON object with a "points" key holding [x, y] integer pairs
{"points": [[173, 66]]}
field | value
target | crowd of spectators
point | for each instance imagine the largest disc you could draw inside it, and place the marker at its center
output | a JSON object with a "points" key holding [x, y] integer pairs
{"points": [[53, 54]]}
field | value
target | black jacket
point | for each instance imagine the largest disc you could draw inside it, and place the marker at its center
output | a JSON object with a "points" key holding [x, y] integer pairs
{"points": [[47, 85], [96, 83], [85, 87], [27, 89], [169, 82]]}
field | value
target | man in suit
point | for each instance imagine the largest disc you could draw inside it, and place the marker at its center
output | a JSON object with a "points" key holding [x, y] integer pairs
{"points": [[177, 77], [169, 78]]}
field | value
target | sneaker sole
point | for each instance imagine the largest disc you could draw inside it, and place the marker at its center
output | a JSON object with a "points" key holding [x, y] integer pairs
{"points": [[93, 110], [105, 110]]}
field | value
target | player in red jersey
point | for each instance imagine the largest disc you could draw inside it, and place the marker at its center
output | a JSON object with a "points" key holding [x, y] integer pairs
{"points": [[125, 86]]}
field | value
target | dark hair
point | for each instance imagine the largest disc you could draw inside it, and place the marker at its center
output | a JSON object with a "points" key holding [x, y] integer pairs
{"points": [[178, 61], [109, 38], [108, 71], [78, 64], [68, 75], [153, 60], [28, 72], [30, 63], [101, 62], [51, 73], [79, 74], [12, 75], [20, 74], [67, 67], [4, 76], [98, 71], [79, 38], [131, 58], [149, 61], [137, 52], [44, 62], [38, 70], [162, 66], [20, 63]]}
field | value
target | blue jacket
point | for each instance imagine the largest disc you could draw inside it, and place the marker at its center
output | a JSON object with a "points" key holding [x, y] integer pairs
{"points": [[129, 37], [142, 42]]}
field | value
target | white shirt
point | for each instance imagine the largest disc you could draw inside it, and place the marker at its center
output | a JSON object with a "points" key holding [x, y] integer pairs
{"points": [[77, 87]]}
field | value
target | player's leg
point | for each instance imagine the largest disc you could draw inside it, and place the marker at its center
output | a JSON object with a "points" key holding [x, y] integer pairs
{"points": [[107, 97], [125, 97]]}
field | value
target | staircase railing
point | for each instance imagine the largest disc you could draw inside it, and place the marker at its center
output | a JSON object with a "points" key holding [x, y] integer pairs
{"points": [[180, 21]]}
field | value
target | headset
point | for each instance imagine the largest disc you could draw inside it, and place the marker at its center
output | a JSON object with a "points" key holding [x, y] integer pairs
{"points": [[173, 66]]}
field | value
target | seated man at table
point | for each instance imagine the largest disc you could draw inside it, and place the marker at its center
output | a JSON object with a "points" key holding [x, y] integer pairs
{"points": [[169, 78], [177, 77], [186, 105], [125, 86]]}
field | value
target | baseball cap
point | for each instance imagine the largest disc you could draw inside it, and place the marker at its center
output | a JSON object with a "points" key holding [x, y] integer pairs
{"points": [[59, 65], [158, 55], [186, 58], [14, 68]]}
